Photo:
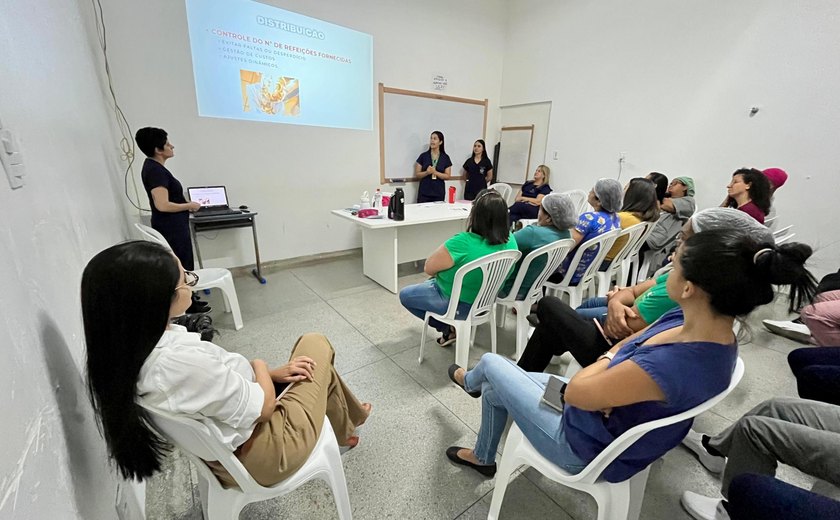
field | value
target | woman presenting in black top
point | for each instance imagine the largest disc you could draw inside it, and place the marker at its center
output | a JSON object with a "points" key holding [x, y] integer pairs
{"points": [[479, 171], [170, 209], [432, 168]]}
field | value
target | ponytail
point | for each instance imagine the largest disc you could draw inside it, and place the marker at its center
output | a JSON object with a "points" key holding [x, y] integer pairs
{"points": [[785, 265], [738, 272]]}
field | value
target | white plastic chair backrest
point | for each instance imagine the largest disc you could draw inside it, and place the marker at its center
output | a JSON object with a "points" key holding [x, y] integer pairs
{"points": [[783, 231], [579, 199], [784, 239], [152, 235], [194, 438], [494, 269], [593, 470], [604, 243], [634, 235], [554, 254], [504, 190]]}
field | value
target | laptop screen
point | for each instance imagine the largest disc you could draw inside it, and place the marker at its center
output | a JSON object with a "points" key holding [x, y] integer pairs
{"points": [[209, 196]]}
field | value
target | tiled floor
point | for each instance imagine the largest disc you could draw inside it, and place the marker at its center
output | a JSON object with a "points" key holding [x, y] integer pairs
{"points": [[399, 470]]}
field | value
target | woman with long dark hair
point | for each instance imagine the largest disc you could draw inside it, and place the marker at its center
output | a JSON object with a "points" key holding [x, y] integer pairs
{"points": [[479, 171], [433, 167], [749, 191], [639, 206], [135, 355], [717, 276], [661, 182], [487, 232]]}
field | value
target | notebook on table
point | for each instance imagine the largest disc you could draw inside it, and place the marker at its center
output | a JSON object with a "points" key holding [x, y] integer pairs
{"points": [[213, 200]]}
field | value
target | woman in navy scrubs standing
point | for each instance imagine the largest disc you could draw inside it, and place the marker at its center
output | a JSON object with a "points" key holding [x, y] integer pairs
{"points": [[479, 171], [170, 209], [433, 167]]}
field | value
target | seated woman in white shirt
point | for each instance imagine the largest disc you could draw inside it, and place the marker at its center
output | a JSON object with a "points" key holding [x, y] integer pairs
{"points": [[136, 355]]}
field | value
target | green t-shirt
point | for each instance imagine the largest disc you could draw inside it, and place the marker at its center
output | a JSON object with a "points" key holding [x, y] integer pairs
{"points": [[464, 248], [528, 239], [655, 302]]}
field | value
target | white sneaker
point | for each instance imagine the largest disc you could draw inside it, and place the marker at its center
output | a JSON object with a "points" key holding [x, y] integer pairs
{"points": [[694, 442], [703, 508], [788, 329]]}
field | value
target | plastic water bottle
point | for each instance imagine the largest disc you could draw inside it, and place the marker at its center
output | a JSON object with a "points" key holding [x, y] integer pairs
{"points": [[377, 198]]}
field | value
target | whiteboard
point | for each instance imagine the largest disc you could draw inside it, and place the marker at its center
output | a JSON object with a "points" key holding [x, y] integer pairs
{"points": [[407, 119], [515, 154]]}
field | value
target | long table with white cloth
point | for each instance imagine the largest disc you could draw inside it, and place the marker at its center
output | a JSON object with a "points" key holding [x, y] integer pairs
{"points": [[387, 243]]}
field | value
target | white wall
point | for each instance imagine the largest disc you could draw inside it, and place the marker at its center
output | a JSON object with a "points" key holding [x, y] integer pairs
{"points": [[53, 462], [293, 175], [671, 84]]}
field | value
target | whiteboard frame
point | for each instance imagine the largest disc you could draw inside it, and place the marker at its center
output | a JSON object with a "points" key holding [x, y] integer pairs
{"points": [[403, 92], [530, 129]]}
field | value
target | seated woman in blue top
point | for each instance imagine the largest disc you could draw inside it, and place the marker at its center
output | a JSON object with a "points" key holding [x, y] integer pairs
{"points": [[487, 232], [527, 202], [605, 198], [433, 167], [554, 220], [479, 171], [680, 361]]}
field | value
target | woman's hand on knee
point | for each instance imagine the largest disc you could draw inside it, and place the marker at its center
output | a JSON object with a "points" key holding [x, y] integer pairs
{"points": [[298, 369]]}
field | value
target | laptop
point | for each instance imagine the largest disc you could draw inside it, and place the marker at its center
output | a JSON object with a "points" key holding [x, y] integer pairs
{"points": [[213, 200]]}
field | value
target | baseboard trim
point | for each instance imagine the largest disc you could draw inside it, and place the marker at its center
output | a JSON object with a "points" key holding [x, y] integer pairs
{"points": [[273, 266]]}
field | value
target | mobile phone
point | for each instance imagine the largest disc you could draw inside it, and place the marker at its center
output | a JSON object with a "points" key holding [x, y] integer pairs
{"points": [[554, 394]]}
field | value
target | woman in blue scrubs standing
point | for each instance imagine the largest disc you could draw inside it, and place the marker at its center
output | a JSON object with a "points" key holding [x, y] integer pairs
{"points": [[479, 171], [433, 167]]}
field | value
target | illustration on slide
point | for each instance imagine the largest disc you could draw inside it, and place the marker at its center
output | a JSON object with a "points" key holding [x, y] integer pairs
{"points": [[269, 96]]}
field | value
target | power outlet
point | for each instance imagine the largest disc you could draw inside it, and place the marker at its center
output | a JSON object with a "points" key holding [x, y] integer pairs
{"points": [[622, 157]]}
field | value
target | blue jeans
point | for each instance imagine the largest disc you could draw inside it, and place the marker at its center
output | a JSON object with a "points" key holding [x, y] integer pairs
{"points": [[507, 389], [593, 308], [427, 296]]}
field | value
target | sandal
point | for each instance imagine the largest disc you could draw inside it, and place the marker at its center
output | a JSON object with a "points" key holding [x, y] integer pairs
{"points": [[446, 339]]}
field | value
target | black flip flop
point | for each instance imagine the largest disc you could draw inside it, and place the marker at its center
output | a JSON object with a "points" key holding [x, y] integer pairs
{"points": [[447, 338], [487, 470], [452, 369]]}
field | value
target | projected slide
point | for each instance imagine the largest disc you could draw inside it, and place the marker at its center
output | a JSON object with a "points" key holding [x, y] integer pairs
{"points": [[256, 62]]}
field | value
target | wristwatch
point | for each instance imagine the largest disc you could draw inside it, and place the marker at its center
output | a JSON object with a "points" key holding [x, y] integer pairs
{"points": [[606, 355]]}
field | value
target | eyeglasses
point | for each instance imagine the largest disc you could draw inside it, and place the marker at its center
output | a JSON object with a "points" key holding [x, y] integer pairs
{"points": [[190, 280]]}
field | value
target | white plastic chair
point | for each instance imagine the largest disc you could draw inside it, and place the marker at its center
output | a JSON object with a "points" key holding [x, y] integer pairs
{"points": [[207, 278], [494, 269], [504, 190], [633, 262], [193, 438], [784, 239], [782, 232], [616, 501], [580, 199], [527, 221], [619, 268], [553, 253], [576, 292]]}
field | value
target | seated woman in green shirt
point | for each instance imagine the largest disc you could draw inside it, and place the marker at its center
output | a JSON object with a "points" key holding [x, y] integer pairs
{"points": [[590, 330], [487, 232], [557, 215]]}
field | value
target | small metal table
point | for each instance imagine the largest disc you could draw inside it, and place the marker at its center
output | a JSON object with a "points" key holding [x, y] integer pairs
{"points": [[238, 220]]}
